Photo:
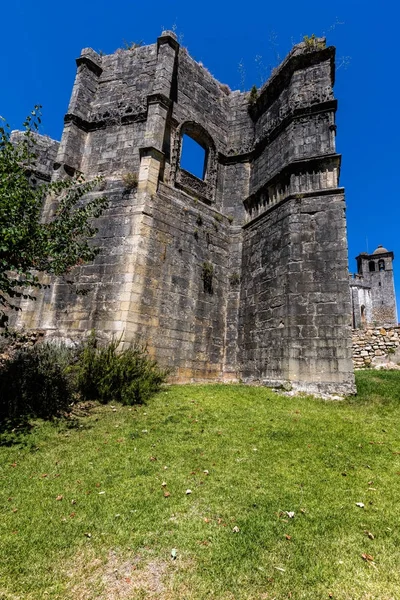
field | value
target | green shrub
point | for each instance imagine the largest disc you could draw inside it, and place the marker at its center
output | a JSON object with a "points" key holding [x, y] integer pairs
{"points": [[128, 376], [36, 382], [253, 96], [44, 380]]}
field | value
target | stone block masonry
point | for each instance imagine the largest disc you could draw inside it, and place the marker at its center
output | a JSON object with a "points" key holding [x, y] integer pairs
{"points": [[376, 346], [241, 274]]}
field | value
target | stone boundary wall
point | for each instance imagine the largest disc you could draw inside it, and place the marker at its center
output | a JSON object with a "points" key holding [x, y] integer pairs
{"points": [[376, 346]]}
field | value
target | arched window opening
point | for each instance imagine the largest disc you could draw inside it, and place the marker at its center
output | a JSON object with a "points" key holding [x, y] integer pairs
{"points": [[371, 266], [381, 264], [193, 157]]}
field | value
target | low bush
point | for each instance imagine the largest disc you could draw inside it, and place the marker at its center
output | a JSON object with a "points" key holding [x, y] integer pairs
{"points": [[36, 382], [108, 375], [46, 379]]}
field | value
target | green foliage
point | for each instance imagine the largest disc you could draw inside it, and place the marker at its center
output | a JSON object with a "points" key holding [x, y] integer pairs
{"points": [[313, 43], [35, 382], [133, 45], [43, 380], [27, 245], [309, 40], [207, 276], [130, 180], [128, 376], [253, 95]]}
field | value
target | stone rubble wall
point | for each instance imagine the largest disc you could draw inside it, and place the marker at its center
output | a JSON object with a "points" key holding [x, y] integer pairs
{"points": [[372, 347]]}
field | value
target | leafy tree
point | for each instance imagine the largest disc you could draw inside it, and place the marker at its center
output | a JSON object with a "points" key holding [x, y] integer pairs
{"points": [[28, 245]]}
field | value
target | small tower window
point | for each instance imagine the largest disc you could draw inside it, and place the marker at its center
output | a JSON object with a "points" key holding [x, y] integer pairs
{"points": [[193, 157], [381, 264], [363, 314], [371, 266]]}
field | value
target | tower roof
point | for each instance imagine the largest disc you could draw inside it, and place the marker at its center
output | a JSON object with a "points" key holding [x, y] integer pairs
{"points": [[380, 250]]}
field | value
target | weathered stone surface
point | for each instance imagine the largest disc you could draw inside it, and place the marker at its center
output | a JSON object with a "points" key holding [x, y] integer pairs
{"points": [[242, 274]]}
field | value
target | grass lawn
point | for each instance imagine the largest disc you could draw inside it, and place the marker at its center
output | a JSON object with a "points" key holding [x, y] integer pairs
{"points": [[98, 507]]}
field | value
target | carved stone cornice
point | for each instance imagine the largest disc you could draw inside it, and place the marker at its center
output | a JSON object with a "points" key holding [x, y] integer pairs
{"points": [[272, 133], [90, 64], [100, 123]]}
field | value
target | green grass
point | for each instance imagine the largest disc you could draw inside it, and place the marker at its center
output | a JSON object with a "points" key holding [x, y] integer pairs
{"points": [[112, 533]]}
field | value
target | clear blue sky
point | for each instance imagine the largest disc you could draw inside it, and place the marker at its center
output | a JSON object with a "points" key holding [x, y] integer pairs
{"points": [[39, 46]]}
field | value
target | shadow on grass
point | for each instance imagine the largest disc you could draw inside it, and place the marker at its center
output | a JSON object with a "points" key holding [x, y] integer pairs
{"points": [[17, 431]]}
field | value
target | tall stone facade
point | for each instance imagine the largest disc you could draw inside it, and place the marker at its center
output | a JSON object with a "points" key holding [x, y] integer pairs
{"points": [[241, 274], [372, 289]]}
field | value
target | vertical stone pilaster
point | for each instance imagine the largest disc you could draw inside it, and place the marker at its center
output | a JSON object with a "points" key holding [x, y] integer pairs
{"points": [[75, 130], [158, 106]]}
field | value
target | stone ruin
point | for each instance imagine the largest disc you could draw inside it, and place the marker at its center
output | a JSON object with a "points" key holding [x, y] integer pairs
{"points": [[241, 274]]}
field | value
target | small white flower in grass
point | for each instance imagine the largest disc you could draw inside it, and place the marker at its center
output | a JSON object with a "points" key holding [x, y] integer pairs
{"points": [[290, 514], [206, 472], [188, 492], [360, 504]]}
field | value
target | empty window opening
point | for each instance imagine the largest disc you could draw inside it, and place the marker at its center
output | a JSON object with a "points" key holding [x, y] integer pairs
{"points": [[371, 266], [381, 264], [363, 319], [193, 157]]}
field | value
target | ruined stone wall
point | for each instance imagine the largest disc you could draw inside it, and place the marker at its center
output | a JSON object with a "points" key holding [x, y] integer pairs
{"points": [[374, 346], [184, 297], [104, 286], [295, 314], [45, 151], [240, 274], [295, 310]]}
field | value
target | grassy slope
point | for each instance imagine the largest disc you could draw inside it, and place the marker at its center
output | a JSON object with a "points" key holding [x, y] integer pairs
{"points": [[265, 454]]}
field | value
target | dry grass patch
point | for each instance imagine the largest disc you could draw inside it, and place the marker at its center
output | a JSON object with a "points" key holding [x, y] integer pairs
{"points": [[120, 577]]}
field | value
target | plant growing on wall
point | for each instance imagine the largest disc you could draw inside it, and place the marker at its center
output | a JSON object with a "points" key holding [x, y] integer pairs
{"points": [[313, 43], [253, 95], [130, 180], [207, 276], [29, 246]]}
